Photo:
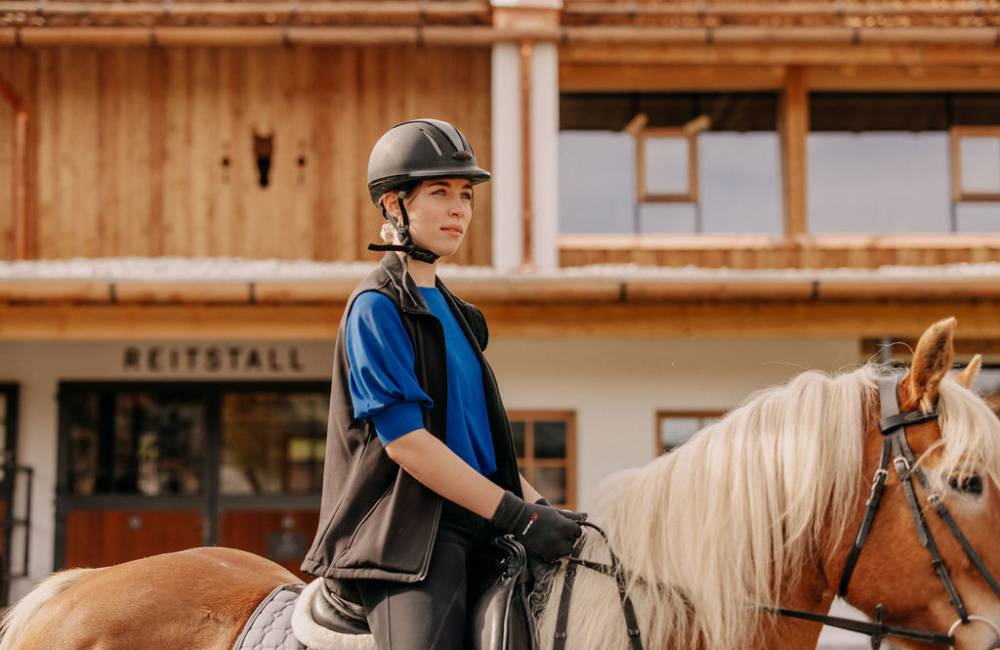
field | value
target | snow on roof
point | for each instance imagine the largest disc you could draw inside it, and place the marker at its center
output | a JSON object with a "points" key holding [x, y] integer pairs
{"points": [[185, 269]]}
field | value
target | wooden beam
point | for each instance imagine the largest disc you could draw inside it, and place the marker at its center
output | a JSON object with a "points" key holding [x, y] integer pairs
{"points": [[793, 126], [764, 8], [764, 242], [652, 320], [902, 78], [686, 319], [178, 322], [271, 35], [312, 8], [693, 51], [655, 77]]}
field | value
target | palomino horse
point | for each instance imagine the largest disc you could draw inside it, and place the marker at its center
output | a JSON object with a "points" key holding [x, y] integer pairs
{"points": [[757, 511]]}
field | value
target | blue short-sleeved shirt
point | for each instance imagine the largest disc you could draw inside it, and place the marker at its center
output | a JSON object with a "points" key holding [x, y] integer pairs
{"points": [[384, 386]]}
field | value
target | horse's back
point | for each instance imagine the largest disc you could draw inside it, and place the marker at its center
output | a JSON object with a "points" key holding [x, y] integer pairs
{"points": [[197, 599]]}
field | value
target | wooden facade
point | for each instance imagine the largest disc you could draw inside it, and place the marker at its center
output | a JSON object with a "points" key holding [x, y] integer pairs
{"points": [[150, 151]]}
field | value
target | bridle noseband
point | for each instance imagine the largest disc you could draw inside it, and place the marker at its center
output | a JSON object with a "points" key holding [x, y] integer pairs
{"points": [[893, 425]]}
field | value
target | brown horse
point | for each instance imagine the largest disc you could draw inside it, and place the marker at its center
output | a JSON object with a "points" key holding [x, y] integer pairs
{"points": [[756, 511]]}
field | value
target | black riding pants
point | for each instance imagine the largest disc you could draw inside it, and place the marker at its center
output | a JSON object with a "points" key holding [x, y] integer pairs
{"points": [[429, 615]]}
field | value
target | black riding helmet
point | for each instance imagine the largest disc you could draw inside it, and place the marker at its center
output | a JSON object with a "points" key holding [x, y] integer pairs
{"points": [[411, 152]]}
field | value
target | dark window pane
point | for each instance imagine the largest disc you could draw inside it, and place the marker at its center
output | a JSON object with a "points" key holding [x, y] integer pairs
{"points": [[83, 442], [550, 439], [675, 430], [901, 111], [3, 421], [517, 431], [135, 442], [612, 111], [273, 443], [159, 445], [551, 483]]}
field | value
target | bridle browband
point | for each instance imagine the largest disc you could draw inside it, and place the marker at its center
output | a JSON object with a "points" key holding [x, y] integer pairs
{"points": [[893, 425]]}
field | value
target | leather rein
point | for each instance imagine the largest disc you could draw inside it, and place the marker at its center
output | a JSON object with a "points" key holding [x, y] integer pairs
{"points": [[893, 425]]}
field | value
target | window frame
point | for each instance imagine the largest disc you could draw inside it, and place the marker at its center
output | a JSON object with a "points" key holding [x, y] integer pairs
{"points": [[662, 414], [527, 464], [689, 133], [956, 134]]}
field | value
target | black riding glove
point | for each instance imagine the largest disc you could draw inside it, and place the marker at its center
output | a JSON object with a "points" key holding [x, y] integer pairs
{"points": [[569, 514], [542, 529]]}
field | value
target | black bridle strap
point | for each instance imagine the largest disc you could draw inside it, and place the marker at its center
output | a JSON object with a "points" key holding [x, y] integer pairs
{"points": [[871, 507], [866, 628], [614, 569], [562, 616], [942, 511], [904, 463]]}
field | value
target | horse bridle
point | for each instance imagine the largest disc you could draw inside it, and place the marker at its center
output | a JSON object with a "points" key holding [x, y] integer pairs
{"points": [[893, 425]]}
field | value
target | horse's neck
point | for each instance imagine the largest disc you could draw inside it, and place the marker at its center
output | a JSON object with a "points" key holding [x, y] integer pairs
{"points": [[812, 594]]}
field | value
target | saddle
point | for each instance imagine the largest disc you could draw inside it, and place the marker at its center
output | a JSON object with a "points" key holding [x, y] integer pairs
{"points": [[499, 617]]}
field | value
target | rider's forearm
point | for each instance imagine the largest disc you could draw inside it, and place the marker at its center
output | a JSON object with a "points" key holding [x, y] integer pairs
{"points": [[530, 493], [432, 463]]}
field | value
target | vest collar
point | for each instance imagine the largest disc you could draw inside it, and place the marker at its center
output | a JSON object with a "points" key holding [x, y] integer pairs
{"points": [[409, 293]]}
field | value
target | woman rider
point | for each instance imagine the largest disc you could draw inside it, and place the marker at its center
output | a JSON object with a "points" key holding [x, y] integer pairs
{"points": [[420, 464]]}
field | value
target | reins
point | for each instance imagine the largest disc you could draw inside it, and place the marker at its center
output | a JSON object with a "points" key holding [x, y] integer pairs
{"points": [[893, 425]]}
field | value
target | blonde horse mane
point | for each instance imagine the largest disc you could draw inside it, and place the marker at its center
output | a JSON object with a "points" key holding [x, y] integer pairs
{"points": [[724, 522], [16, 619]]}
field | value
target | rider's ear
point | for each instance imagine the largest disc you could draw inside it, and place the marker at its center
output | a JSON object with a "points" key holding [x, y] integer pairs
{"points": [[931, 362], [390, 205], [968, 374]]}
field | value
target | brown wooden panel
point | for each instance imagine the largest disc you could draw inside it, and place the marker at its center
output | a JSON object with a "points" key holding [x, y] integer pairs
{"points": [[131, 144], [256, 531], [768, 253], [103, 537]]}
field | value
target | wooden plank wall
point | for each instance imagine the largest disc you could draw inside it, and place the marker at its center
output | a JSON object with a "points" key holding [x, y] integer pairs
{"points": [[131, 143], [741, 256]]}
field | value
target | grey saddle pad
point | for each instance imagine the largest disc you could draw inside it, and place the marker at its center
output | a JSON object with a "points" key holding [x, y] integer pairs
{"points": [[270, 625]]}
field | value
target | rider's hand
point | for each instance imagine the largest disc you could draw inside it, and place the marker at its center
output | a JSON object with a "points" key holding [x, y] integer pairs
{"points": [[569, 514], [542, 529]]}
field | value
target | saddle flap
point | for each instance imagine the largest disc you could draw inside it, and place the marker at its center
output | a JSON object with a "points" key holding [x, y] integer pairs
{"points": [[336, 606], [500, 618]]}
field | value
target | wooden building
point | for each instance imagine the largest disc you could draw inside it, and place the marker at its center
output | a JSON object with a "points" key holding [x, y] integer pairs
{"points": [[691, 200]]}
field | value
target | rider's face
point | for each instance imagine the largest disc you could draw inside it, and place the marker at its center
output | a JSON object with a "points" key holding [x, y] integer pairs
{"points": [[440, 211]]}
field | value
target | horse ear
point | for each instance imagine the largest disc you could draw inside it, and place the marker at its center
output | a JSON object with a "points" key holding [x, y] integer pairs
{"points": [[968, 374], [931, 362]]}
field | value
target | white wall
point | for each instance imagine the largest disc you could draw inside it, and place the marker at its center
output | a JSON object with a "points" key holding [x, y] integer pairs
{"points": [[616, 386]]}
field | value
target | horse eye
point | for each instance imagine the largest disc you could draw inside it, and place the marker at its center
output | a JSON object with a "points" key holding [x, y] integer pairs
{"points": [[972, 484]]}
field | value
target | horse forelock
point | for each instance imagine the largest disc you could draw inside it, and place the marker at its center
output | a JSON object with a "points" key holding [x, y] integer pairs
{"points": [[970, 434], [725, 521]]}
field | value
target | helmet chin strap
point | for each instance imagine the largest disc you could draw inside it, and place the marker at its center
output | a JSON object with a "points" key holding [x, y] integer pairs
{"points": [[406, 245]]}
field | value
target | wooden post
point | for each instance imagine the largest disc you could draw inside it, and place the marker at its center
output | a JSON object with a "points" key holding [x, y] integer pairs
{"points": [[793, 125], [527, 218], [19, 171]]}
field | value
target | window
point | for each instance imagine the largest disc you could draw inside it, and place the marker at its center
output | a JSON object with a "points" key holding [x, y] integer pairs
{"points": [[273, 443], [135, 442], [673, 428], [680, 163], [545, 443], [975, 181], [903, 162]]}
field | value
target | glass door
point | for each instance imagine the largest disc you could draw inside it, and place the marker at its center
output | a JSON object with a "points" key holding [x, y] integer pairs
{"points": [[151, 468], [271, 471], [134, 473]]}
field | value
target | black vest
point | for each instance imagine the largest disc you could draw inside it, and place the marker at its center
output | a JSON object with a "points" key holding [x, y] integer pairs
{"points": [[377, 521]]}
